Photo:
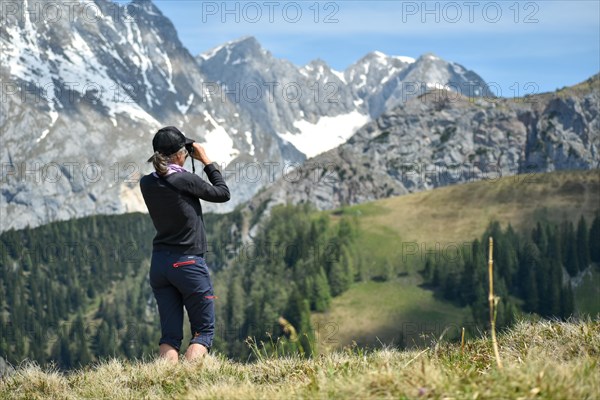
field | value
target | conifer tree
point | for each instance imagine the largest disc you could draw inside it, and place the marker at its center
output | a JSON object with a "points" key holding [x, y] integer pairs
{"points": [[554, 250], [65, 359], [348, 263], [531, 292], [507, 254], [339, 280], [567, 301], [428, 270], [583, 245], [480, 304], [451, 286], [321, 291], [234, 314], [436, 279], [540, 238], [101, 342], [554, 289], [297, 312], [594, 240], [571, 256], [81, 353]]}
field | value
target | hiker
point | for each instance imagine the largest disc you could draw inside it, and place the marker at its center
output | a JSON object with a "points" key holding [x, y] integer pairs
{"points": [[179, 275]]}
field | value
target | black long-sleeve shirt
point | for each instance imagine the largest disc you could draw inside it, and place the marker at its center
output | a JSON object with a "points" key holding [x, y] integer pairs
{"points": [[177, 217]]}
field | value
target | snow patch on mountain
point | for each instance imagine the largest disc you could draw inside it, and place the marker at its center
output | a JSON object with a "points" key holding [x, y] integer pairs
{"points": [[248, 135], [23, 48], [169, 76], [339, 74], [218, 143], [141, 59], [327, 133], [405, 59], [211, 53], [183, 108], [53, 117]]}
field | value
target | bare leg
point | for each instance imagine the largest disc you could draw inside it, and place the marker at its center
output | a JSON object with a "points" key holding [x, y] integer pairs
{"points": [[195, 351], [169, 353]]}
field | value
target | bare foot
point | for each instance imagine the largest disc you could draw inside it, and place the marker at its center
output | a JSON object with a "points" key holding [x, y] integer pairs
{"points": [[169, 353], [195, 351]]}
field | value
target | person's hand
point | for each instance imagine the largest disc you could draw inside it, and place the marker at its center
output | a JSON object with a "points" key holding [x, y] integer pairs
{"points": [[199, 154]]}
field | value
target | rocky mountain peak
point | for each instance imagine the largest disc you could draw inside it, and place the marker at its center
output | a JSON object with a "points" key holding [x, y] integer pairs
{"points": [[242, 50]]}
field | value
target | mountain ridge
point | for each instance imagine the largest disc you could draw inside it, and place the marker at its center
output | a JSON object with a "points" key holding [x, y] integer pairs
{"points": [[442, 138]]}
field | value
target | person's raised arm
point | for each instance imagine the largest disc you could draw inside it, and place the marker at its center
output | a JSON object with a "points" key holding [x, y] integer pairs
{"points": [[218, 192]]}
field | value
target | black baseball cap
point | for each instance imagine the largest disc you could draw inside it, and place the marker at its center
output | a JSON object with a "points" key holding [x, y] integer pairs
{"points": [[169, 140]]}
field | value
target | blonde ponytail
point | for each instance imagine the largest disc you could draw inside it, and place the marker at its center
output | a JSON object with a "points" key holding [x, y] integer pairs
{"points": [[160, 163]]}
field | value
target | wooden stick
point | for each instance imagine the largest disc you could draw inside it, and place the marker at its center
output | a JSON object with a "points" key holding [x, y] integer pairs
{"points": [[491, 301]]}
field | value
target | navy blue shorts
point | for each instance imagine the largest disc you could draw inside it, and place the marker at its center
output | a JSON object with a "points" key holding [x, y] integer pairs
{"points": [[179, 280]]}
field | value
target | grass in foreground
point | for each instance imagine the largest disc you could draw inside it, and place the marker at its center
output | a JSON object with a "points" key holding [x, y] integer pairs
{"points": [[550, 360]]}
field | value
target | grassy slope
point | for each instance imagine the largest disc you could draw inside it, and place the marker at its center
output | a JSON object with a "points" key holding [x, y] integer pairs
{"points": [[396, 312], [446, 217], [587, 293], [462, 212], [544, 360]]}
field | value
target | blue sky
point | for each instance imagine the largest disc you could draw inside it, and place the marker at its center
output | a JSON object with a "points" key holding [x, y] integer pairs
{"points": [[510, 43]]}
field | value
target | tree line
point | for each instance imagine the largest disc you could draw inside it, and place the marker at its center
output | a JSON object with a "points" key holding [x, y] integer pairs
{"points": [[297, 262], [77, 291], [531, 271], [74, 291]]}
